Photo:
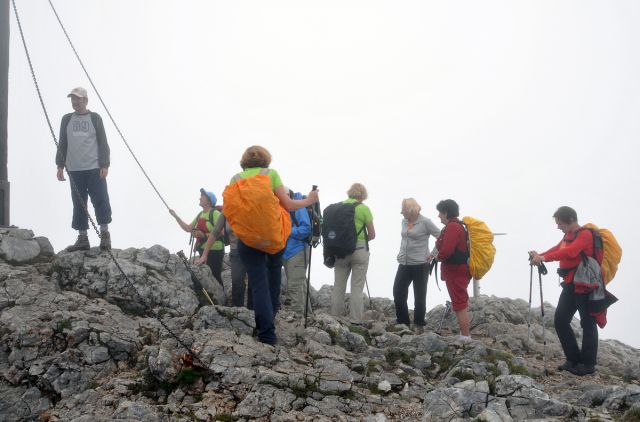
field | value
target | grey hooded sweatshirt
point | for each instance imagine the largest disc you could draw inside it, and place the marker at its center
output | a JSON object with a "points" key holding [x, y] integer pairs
{"points": [[414, 245]]}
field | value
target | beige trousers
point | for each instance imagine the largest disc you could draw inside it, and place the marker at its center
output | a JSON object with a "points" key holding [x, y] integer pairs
{"points": [[295, 268], [355, 264]]}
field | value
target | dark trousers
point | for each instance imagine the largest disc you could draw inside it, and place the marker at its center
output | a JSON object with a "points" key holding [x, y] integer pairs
{"points": [[238, 273], [214, 261], [264, 272], [89, 182], [568, 303], [405, 275]]}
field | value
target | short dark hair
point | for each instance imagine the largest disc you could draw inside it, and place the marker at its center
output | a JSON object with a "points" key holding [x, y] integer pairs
{"points": [[448, 207], [566, 215]]}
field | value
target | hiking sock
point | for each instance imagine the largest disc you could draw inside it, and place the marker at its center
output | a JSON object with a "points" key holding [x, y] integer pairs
{"points": [[82, 232], [104, 227]]}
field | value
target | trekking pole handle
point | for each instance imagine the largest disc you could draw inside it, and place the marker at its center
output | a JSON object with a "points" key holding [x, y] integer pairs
{"points": [[542, 269]]}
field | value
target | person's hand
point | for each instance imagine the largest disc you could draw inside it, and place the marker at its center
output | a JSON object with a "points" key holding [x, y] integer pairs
{"points": [[535, 258], [197, 233], [201, 261], [429, 258], [103, 172], [313, 196], [60, 174]]}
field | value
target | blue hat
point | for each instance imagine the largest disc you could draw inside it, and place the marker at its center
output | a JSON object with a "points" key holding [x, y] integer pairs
{"points": [[210, 195]]}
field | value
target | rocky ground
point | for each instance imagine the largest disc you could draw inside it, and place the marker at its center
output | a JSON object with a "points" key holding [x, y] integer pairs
{"points": [[81, 340]]}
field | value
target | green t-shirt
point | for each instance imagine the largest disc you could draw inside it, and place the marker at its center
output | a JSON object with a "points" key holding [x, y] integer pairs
{"points": [[217, 245], [273, 176], [362, 216]]}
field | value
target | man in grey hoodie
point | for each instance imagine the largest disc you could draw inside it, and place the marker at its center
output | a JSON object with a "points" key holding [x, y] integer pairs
{"points": [[84, 151], [413, 266]]}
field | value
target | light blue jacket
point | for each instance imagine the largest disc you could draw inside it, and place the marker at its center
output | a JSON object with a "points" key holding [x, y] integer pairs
{"points": [[300, 232]]}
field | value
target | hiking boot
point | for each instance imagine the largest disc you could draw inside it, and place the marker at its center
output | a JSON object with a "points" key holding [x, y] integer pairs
{"points": [[82, 244], [566, 366], [105, 241], [582, 369], [419, 329]]}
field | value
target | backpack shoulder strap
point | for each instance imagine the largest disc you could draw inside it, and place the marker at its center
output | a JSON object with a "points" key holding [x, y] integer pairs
{"points": [[294, 220], [264, 170], [363, 228], [236, 177]]}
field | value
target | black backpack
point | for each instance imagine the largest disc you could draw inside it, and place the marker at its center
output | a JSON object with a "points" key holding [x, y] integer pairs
{"points": [[339, 235]]}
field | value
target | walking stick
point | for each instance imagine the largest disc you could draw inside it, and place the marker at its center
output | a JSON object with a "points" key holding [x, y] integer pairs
{"points": [[191, 247], [314, 240], [530, 294], [447, 309], [543, 270], [366, 283], [306, 300]]}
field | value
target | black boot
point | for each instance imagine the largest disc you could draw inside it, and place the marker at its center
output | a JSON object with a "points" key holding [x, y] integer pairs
{"points": [[582, 369], [566, 366], [82, 244]]}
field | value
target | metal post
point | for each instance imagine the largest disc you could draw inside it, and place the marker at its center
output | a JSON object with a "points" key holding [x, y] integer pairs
{"points": [[476, 288], [4, 111]]}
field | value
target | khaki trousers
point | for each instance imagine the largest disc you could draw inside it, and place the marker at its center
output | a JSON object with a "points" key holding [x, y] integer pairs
{"points": [[295, 268], [355, 264]]}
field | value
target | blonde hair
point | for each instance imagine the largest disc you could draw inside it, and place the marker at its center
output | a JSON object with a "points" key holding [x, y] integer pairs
{"points": [[358, 192], [411, 206], [255, 156]]}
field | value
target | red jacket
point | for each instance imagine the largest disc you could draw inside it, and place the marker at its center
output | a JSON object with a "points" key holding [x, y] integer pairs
{"points": [[453, 238], [568, 251]]}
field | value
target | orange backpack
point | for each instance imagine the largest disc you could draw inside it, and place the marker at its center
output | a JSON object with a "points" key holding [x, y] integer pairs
{"points": [[255, 214], [610, 255]]}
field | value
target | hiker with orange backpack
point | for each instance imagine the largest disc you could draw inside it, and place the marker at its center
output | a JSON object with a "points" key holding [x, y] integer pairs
{"points": [[577, 245], [412, 263], [453, 253], [257, 207], [346, 232], [200, 227]]}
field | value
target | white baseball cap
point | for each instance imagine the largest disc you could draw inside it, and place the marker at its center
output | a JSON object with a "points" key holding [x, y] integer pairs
{"points": [[78, 92]]}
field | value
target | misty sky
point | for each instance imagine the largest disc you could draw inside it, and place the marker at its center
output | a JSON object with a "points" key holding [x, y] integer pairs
{"points": [[510, 108]]}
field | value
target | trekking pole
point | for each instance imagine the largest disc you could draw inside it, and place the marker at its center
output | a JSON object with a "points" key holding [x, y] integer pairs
{"points": [[543, 270], [191, 247], [366, 283], [195, 278], [447, 309], [306, 300], [530, 294], [312, 244]]}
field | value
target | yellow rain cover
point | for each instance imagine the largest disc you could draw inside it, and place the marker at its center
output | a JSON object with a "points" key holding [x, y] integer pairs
{"points": [[255, 214], [612, 253], [482, 250]]}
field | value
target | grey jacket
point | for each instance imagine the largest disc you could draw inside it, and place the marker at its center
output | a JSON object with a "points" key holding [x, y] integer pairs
{"points": [[218, 232], [414, 245]]}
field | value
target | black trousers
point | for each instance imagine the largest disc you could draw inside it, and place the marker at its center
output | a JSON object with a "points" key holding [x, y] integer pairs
{"points": [[405, 275], [238, 273], [89, 183], [214, 261], [568, 303]]}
